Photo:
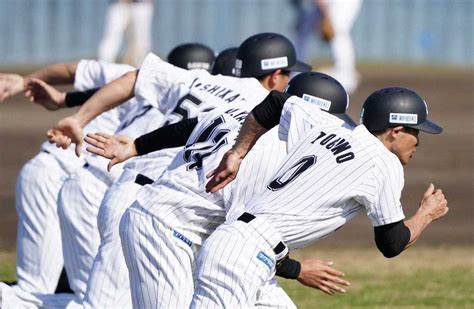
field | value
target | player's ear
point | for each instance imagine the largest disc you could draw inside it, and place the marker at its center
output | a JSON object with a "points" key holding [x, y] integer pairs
{"points": [[395, 131], [277, 75]]}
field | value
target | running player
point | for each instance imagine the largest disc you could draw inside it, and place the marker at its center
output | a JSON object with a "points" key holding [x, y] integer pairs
{"points": [[331, 174]]}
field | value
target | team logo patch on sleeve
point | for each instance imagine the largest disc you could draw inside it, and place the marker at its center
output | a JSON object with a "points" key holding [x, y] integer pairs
{"points": [[182, 238], [403, 118], [265, 259], [274, 63], [321, 103]]}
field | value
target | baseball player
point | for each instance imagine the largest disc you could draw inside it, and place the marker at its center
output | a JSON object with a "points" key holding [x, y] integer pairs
{"points": [[88, 184], [94, 74], [121, 13], [86, 74], [182, 94], [39, 253], [191, 56], [331, 173], [225, 62], [194, 214]]}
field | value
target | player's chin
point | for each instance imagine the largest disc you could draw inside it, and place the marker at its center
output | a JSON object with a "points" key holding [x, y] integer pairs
{"points": [[406, 159]]}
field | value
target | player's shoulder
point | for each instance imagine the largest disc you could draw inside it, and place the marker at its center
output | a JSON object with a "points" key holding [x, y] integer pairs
{"points": [[383, 159]]}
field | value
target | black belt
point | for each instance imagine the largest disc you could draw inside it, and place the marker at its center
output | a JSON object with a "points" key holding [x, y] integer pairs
{"points": [[143, 180], [247, 217]]}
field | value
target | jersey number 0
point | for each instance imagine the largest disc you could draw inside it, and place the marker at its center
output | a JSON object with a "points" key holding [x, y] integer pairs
{"points": [[292, 173]]}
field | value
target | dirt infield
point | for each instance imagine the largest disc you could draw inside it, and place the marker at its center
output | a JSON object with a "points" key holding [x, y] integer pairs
{"points": [[446, 160]]}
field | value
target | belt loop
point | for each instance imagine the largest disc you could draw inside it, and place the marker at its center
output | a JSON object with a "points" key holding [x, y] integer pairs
{"points": [[143, 180], [280, 249], [246, 217]]}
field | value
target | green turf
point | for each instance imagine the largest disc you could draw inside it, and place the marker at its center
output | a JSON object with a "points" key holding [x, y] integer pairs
{"points": [[7, 266], [426, 277], [445, 288]]}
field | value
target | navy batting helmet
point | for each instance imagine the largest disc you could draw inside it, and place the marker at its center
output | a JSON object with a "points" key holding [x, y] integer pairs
{"points": [[396, 106], [264, 53], [323, 91], [192, 56], [225, 62]]}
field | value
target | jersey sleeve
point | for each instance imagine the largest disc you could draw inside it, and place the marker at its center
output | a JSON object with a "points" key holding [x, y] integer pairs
{"points": [[385, 186], [93, 74], [157, 80], [299, 117]]}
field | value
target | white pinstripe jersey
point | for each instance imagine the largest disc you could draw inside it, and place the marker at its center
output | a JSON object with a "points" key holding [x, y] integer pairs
{"points": [[331, 173], [182, 94], [179, 196]]}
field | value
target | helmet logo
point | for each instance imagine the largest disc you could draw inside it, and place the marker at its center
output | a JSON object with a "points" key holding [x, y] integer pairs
{"points": [[403, 118], [238, 67], [274, 63], [319, 102], [198, 65]]}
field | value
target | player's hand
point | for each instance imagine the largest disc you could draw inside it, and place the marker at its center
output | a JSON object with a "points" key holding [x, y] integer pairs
{"points": [[114, 147], [10, 85], [434, 203], [67, 131], [225, 172], [320, 275], [41, 93]]}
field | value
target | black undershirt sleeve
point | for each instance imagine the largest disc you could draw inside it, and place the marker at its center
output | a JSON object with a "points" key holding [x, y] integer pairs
{"points": [[268, 112], [288, 268], [391, 239], [173, 135], [77, 98]]}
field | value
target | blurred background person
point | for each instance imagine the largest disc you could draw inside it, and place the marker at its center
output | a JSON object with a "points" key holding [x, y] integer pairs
{"points": [[138, 16], [332, 20]]}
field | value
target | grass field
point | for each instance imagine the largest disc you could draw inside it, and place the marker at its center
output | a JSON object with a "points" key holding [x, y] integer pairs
{"points": [[441, 277], [422, 277]]}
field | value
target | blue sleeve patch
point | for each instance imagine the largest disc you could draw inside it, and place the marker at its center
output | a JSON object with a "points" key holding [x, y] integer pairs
{"points": [[265, 259], [182, 238]]}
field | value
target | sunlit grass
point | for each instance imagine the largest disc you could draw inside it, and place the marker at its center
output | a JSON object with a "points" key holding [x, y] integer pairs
{"points": [[441, 277]]}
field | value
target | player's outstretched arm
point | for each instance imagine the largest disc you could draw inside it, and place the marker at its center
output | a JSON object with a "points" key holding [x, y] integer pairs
{"points": [[38, 91], [69, 130], [121, 148], [229, 166], [321, 275], [263, 117], [117, 148], [55, 74], [52, 99], [10, 85]]}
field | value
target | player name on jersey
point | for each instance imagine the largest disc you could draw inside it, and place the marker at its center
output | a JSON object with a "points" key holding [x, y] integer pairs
{"points": [[226, 94], [237, 114], [338, 146]]}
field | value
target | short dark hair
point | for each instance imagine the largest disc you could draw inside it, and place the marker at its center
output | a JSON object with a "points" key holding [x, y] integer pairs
{"points": [[283, 72]]}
